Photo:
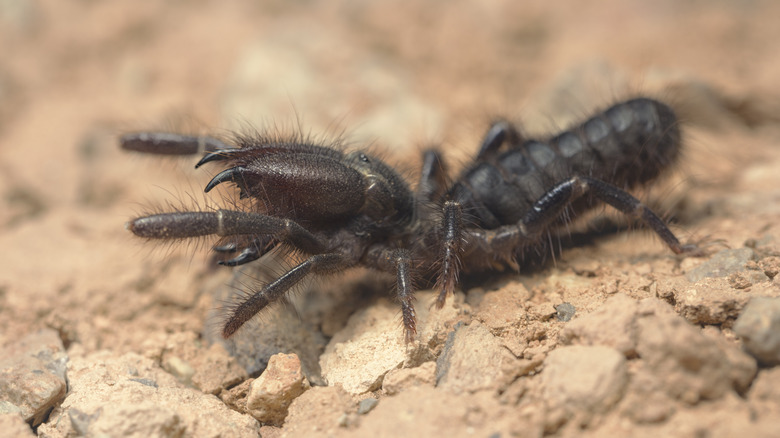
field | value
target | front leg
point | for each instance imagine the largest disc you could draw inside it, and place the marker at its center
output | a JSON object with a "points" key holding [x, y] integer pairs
{"points": [[398, 261], [166, 143], [186, 224], [319, 264]]}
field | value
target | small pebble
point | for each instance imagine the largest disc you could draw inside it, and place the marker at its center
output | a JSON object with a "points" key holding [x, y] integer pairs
{"points": [[722, 264], [366, 405], [759, 328], [565, 312]]}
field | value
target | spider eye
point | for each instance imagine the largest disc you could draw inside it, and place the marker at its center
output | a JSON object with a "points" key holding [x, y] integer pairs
{"points": [[364, 158]]}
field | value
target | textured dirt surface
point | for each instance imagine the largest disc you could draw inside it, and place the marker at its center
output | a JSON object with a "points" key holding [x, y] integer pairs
{"points": [[103, 333]]}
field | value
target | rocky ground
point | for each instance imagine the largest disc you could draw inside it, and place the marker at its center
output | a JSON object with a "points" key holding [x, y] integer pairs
{"points": [[105, 334]]}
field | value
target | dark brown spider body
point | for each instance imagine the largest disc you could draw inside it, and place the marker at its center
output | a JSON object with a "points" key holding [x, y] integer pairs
{"points": [[629, 144], [351, 209]]}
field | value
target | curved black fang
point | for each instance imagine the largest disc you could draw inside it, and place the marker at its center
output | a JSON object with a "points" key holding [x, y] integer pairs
{"points": [[249, 254], [217, 155], [234, 174]]}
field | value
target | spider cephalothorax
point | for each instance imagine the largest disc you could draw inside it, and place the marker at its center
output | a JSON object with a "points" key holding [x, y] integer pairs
{"points": [[351, 209]]}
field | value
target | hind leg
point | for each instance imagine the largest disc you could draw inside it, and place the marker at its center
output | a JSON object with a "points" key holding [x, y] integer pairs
{"points": [[504, 241]]}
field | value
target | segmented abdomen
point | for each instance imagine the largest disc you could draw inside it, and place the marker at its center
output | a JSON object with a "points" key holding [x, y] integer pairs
{"points": [[626, 145]]}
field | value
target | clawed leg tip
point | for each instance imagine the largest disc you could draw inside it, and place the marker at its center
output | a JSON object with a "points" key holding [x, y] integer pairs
{"points": [[701, 248], [410, 335]]}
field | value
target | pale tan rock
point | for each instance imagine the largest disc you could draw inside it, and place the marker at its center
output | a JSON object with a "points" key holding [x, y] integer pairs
{"points": [[590, 379], [236, 396], [13, 425], [709, 301], [216, 370], [398, 380], [759, 328], [429, 412], [542, 312], [179, 368], [646, 401], [318, 412], [692, 366], [503, 308], [473, 359], [764, 396], [132, 396], [770, 266], [766, 387], [211, 369], [372, 343], [33, 374], [270, 394], [722, 264], [270, 432], [611, 325]]}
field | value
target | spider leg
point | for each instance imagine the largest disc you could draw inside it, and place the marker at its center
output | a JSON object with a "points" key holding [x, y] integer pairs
{"points": [[218, 155], [503, 241], [453, 234], [398, 261], [250, 252], [433, 177], [452, 245], [403, 268], [317, 264], [432, 182], [499, 133], [185, 224], [551, 204], [166, 143]]}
